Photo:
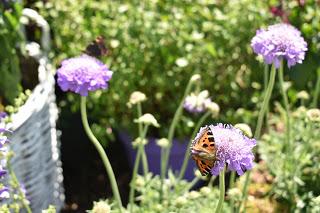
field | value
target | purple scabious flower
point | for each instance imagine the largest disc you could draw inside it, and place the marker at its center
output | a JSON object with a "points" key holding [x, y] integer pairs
{"points": [[233, 149], [3, 115], [4, 193], [197, 103], [280, 41], [82, 74]]}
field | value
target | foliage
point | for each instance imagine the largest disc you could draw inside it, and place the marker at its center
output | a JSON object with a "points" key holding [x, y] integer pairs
{"points": [[10, 37], [296, 176], [178, 196], [156, 46]]}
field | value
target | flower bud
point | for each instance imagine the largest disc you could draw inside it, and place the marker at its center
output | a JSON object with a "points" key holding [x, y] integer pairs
{"points": [[245, 128], [313, 115], [180, 201], [136, 97], [213, 108], [195, 77], [163, 142], [303, 95], [138, 141], [147, 119], [182, 62], [101, 207], [194, 195], [205, 190]]}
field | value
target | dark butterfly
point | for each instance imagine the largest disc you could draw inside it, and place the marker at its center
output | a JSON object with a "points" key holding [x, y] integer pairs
{"points": [[97, 48]]}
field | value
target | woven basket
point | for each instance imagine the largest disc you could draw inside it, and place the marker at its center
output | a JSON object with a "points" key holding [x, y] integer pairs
{"points": [[35, 139]]}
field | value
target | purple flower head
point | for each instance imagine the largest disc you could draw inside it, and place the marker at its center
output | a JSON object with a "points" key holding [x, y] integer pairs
{"points": [[4, 193], [196, 103], [280, 41], [2, 172], [82, 74], [3, 115], [233, 148]]}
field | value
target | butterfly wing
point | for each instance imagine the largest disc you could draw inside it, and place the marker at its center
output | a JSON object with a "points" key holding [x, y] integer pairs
{"points": [[203, 165], [97, 48], [204, 151]]}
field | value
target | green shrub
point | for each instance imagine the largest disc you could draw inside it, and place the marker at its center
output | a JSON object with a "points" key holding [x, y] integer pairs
{"points": [[9, 62], [296, 175]]}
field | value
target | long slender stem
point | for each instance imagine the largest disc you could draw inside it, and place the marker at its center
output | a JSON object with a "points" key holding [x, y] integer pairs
{"points": [[286, 105], [187, 153], [17, 184], [257, 133], [317, 91], [222, 191], [265, 102], [136, 167], [101, 152], [144, 155], [139, 112], [265, 83], [133, 181], [165, 153]]}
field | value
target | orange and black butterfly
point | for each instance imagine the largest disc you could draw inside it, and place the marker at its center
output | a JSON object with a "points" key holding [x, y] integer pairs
{"points": [[97, 48], [203, 151]]}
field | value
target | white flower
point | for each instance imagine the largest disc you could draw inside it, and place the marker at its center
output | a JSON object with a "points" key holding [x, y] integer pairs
{"points": [[195, 77], [313, 115], [114, 43], [182, 62], [147, 119], [196, 103], [136, 97]]}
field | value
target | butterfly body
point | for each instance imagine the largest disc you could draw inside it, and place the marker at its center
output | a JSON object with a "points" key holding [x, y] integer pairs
{"points": [[203, 151], [97, 48]]}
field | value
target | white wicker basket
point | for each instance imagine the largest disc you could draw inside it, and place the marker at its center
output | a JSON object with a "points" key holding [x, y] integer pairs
{"points": [[35, 139]]}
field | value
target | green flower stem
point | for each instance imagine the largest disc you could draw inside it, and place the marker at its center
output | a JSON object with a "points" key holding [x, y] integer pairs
{"points": [[17, 184], [286, 105], [139, 112], [231, 185], [136, 167], [232, 179], [101, 152], [265, 102], [133, 181], [211, 181], [222, 191], [144, 155], [257, 133], [191, 184], [166, 152], [187, 153], [265, 83], [317, 90]]}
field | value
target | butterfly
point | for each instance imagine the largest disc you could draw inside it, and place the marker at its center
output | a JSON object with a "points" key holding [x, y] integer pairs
{"points": [[97, 48], [203, 151]]}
